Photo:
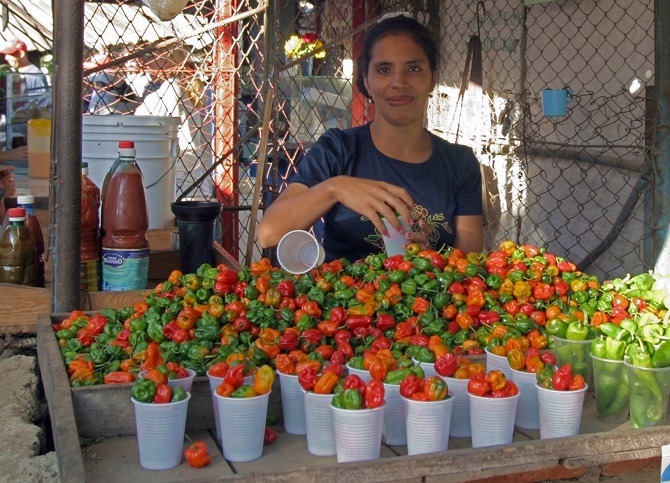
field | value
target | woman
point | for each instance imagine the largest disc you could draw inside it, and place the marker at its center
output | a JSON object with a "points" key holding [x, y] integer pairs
{"points": [[388, 168]]}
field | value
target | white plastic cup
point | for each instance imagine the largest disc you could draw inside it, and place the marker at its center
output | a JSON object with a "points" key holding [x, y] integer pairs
{"points": [[395, 433], [428, 424], [160, 433], [293, 404], [358, 433], [528, 409], [492, 420], [460, 411], [428, 368], [215, 382], [242, 426], [560, 412], [299, 251], [396, 241], [362, 373], [498, 363], [319, 424]]}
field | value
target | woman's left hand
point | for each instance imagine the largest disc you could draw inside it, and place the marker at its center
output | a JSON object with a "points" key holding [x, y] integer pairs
{"points": [[421, 237]]}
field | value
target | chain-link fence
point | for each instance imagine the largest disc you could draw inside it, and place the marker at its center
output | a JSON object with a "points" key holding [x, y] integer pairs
{"points": [[580, 183]]}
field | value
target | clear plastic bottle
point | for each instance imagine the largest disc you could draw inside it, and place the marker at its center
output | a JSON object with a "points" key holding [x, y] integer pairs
{"points": [[17, 250], [125, 220], [33, 224], [90, 232]]}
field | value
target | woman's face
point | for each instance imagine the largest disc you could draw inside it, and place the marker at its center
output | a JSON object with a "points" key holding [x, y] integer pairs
{"points": [[399, 80]]}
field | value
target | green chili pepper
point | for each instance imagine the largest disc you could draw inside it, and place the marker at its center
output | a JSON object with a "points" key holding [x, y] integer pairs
{"points": [[408, 287], [143, 390], [338, 400], [155, 332], [661, 357], [556, 327], [396, 376], [615, 349], [244, 391], [577, 331], [598, 348], [352, 399]]}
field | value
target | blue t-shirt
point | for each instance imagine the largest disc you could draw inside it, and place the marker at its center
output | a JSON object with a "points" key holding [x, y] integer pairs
{"points": [[446, 185]]}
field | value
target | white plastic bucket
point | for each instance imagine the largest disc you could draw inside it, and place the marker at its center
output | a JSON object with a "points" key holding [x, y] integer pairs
{"points": [[157, 145]]}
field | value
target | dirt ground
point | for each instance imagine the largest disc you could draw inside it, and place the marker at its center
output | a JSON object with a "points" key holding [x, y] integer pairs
{"points": [[24, 435]]}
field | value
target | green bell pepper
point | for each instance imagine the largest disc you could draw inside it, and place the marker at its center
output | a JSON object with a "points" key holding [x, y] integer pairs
{"points": [[661, 357], [556, 327], [576, 331], [396, 376]]}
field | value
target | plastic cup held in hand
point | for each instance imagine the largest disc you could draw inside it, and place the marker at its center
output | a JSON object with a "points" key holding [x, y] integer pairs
{"points": [[396, 241], [460, 411], [358, 433], [319, 424], [293, 404], [394, 416], [649, 391], [299, 252], [492, 420], [428, 424], [527, 410], [242, 426], [612, 390], [160, 433], [560, 412]]}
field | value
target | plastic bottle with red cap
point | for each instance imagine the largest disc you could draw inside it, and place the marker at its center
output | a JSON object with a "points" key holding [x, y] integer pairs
{"points": [[17, 250], [125, 221]]}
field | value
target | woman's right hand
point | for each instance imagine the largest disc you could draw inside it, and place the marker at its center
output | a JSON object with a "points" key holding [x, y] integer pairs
{"points": [[374, 199]]}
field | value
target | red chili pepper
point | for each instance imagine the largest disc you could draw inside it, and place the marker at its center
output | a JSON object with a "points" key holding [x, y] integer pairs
{"points": [[241, 324], [163, 394], [227, 276], [353, 381], [374, 394], [289, 341], [381, 343], [410, 385], [420, 340], [338, 357], [446, 365], [307, 378], [338, 315], [346, 348], [325, 350], [270, 436], [342, 336], [239, 288], [286, 288], [197, 455], [328, 327], [562, 378], [391, 263], [235, 375], [385, 321], [354, 321]]}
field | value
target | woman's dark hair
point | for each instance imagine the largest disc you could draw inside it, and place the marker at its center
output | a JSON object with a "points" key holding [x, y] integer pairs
{"points": [[399, 24]]}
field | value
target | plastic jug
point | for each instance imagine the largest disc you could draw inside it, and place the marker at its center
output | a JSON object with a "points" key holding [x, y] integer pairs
{"points": [[39, 147]]}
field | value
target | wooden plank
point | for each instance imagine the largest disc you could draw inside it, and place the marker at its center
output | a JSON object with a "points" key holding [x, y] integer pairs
{"points": [[27, 303], [104, 300], [223, 256], [59, 401], [162, 239]]}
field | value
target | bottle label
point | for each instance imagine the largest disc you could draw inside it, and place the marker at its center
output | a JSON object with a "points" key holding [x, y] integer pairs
{"points": [[125, 269], [90, 275]]}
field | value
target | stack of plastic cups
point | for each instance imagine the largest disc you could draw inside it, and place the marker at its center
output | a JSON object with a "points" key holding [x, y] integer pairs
{"points": [[527, 410], [160, 433], [460, 412], [293, 404], [242, 425], [358, 433], [319, 424]]}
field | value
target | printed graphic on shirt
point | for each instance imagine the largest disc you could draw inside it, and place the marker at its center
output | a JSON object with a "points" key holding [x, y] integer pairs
{"points": [[435, 222]]}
